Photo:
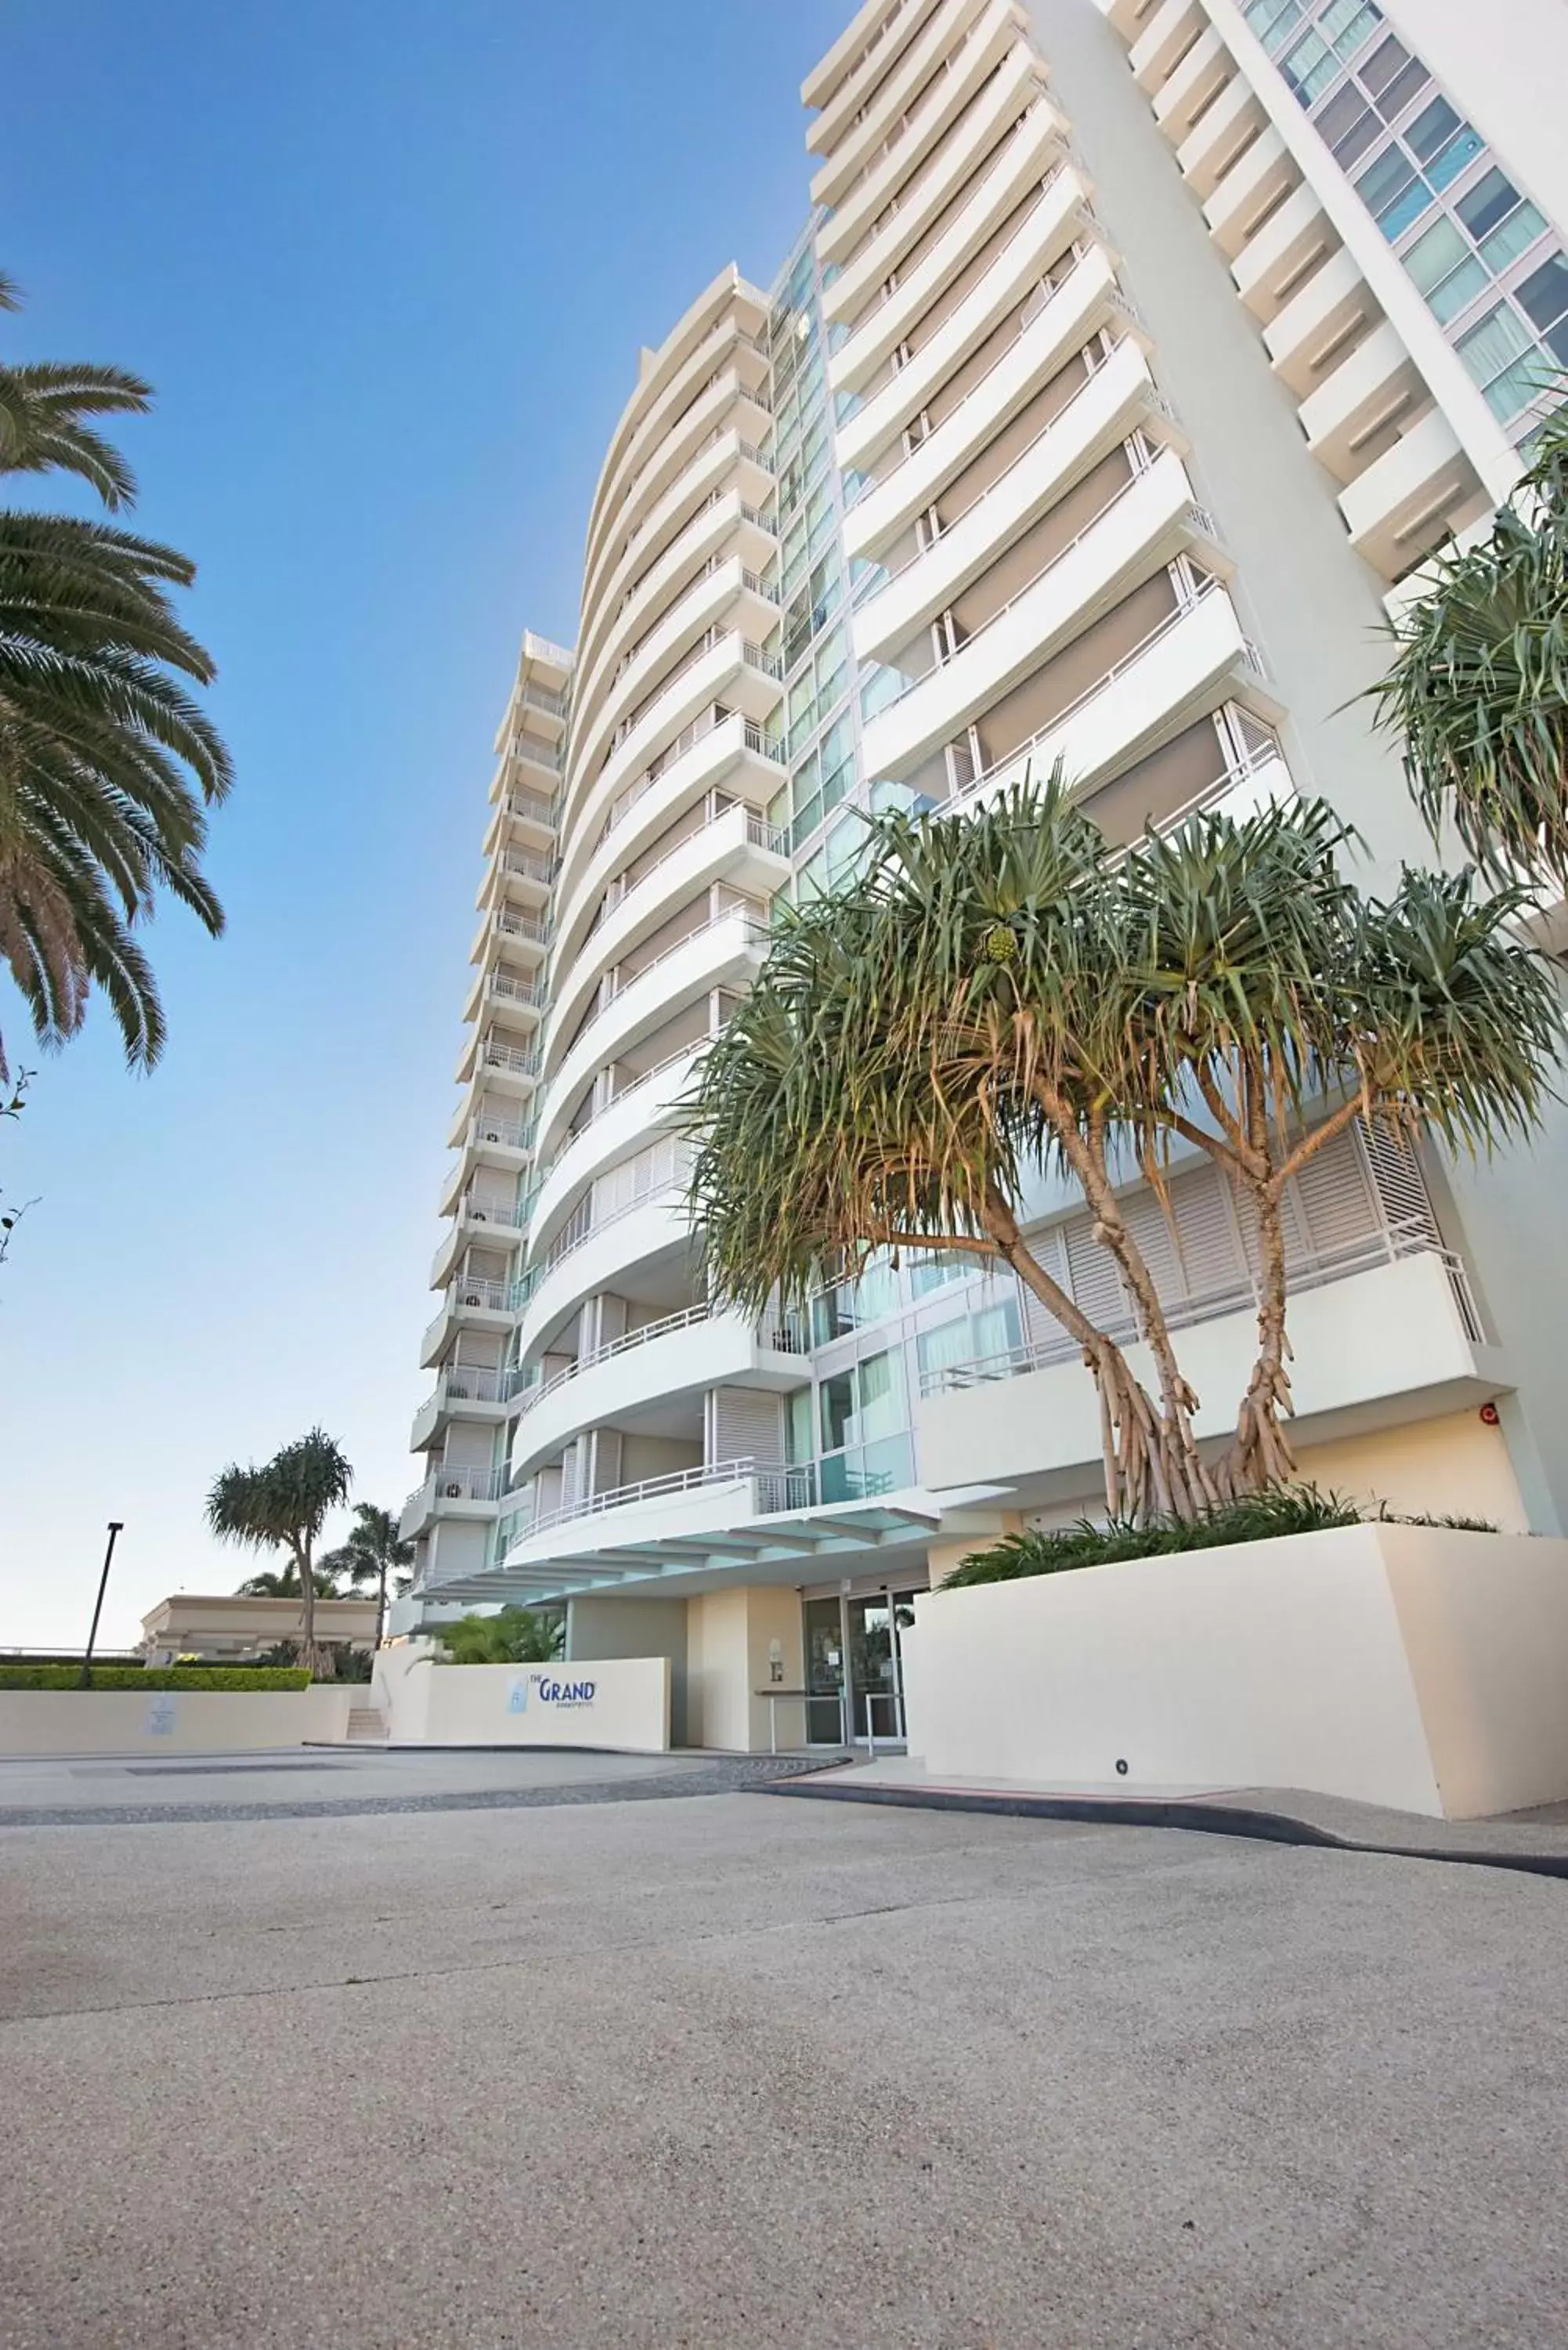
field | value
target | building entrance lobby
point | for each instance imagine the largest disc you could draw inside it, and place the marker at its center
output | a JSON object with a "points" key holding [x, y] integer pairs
{"points": [[854, 1667]]}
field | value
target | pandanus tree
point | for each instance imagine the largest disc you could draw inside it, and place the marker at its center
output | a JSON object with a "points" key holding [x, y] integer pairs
{"points": [[108, 764], [1268, 1005], [861, 1098], [282, 1505], [1478, 690]]}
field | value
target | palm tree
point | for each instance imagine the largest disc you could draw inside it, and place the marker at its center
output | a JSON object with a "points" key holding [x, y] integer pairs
{"points": [[1478, 688], [849, 1103], [373, 1552], [1267, 1005], [284, 1583], [98, 739], [283, 1505]]}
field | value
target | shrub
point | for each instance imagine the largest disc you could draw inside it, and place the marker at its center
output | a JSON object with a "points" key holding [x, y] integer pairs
{"points": [[1058, 1550], [251, 1678]]}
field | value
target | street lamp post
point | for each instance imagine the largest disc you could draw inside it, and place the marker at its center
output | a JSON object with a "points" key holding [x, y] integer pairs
{"points": [[115, 1526]]}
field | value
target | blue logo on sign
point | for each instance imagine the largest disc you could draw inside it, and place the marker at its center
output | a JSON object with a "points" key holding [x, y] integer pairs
{"points": [[554, 1692], [517, 1698]]}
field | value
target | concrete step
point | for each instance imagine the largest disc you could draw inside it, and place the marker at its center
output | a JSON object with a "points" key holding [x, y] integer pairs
{"points": [[366, 1722]]}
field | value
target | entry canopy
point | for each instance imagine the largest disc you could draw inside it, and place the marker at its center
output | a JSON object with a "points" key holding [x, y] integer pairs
{"points": [[803, 1546]]}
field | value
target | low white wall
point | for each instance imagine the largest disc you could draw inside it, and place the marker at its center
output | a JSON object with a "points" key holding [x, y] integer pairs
{"points": [[1403, 1666], [172, 1722], [622, 1702]]}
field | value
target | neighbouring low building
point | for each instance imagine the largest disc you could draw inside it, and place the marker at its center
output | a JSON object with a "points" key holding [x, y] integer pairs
{"points": [[233, 1627], [1133, 358]]}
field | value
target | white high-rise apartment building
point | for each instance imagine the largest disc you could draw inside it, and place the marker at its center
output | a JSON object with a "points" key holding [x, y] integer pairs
{"points": [[1131, 358]]}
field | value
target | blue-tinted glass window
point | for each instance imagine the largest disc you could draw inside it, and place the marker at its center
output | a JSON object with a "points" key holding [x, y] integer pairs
{"points": [[1544, 296], [1489, 201], [1348, 22], [1385, 181], [1457, 156], [1433, 127], [1387, 60], [1517, 234]]}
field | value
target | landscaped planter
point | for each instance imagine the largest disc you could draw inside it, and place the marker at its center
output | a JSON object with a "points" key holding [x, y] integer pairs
{"points": [[1400, 1665]]}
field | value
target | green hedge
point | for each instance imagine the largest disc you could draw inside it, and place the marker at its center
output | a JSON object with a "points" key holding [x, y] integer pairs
{"points": [[158, 1677]]}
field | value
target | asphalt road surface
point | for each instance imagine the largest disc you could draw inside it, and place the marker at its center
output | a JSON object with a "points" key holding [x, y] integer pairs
{"points": [[727, 2072]]}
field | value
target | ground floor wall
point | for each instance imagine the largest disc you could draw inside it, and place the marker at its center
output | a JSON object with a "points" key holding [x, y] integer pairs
{"points": [[740, 1643], [172, 1722], [597, 1628]]}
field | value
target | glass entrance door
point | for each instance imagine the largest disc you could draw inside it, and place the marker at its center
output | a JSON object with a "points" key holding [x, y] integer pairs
{"points": [[824, 1709], [874, 1671]]}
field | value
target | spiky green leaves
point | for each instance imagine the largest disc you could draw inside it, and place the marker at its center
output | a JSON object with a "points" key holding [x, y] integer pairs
{"points": [[1478, 687]]}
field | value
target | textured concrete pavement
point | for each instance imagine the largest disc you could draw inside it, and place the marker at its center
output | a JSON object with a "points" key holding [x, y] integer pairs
{"points": [[727, 2074]]}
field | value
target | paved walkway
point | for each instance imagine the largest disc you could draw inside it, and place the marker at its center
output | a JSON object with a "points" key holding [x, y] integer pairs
{"points": [[322, 1783], [709, 2073]]}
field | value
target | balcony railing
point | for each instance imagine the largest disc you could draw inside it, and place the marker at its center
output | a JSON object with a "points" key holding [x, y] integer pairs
{"points": [[615, 984], [509, 1213], [479, 1292], [759, 833], [512, 1134], [525, 862], [1406, 1238], [516, 990], [557, 704], [518, 1060], [650, 1489], [1207, 587], [645, 1336], [469, 1383], [532, 807], [455, 1482], [509, 923], [537, 752], [710, 719]]}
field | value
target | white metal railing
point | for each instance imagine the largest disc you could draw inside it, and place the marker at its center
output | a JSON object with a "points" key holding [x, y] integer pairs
{"points": [[627, 1343], [994, 619], [532, 807], [512, 1134], [472, 1383], [480, 1292], [520, 1061], [558, 704], [457, 1481], [708, 722], [650, 1489], [540, 753], [1038, 302], [751, 580], [759, 834], [614, 985], [523, 860], [516, 990], [1404, 1237], [583, 1224], [509, 1213], [508, 923], [974, 203], [871, 586], [1090, 693]]}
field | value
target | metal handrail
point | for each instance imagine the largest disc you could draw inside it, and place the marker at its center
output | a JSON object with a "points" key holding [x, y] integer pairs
{"points": [[613, 987], [1090, 693], [1406, 1237], [620, 1497], [760, 833], [1133, 483], [458, 1481], [525, 991], [1034, 308], [478, 1290], [507, 924], [509, 1213], [629, 1341], [574, 1237], [521, 1061], [974, 201], [510, 1134], [625, 801], [871, 586], [513, 859]]}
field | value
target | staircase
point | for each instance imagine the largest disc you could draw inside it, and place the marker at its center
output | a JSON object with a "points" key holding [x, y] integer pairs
{"points": [[366, 1726]]}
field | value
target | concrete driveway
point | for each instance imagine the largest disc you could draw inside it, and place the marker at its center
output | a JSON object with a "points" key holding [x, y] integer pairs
{"points": [[726, 2073]]}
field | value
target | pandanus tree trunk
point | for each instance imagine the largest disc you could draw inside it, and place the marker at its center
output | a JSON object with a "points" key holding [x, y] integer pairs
{"points": [[1259, 1453], [1183, 1487], [1132, 1433], [311, 1655]]}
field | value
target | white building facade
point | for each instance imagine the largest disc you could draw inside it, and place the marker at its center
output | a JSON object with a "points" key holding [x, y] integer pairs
{"points": [[1130, 360]]}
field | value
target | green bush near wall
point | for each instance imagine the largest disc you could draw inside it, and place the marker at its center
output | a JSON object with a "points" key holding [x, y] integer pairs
{"points": [[249, 1679]]}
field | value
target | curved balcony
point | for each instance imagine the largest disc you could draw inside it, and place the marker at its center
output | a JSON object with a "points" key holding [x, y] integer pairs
{"points": [[1016, 89], [722, 595], [706, 318], [509, 1001], [680, 1354], [1218, 138], [727, 348], [477, 1217], [882, 119], [1038, 242], [654, 1231], [723, 524], [1195, 660], [731, 755], [469, 1391], [993, 34], [1024, 161], [1054, 325], [724, 952], [724, 407], [1193, 86], [508, 1067], [452, 1489], [855, 64], [629, 1122], [729, 670], [473, 1301], [1149, 521], [735, 846], [732, 467], [1114, 402]]}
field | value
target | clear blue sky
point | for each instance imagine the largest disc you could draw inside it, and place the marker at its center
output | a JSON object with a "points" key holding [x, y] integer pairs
{"points": [[387, 263]]}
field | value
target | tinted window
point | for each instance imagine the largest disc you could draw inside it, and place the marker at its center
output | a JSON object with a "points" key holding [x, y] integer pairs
{"points": [[1489, 201]]}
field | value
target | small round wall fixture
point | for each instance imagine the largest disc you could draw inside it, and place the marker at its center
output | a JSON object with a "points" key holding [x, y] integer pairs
{"points": [[1121, 1768], [1489, 1415]]}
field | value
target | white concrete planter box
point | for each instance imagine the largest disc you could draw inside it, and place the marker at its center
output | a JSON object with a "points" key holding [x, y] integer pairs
{"points": [[1405, 1665], [174, 1721]]}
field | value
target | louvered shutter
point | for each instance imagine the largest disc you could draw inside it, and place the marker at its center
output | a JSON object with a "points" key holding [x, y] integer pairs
{"points": [[1094, 1280], [1213, 1263], [1335, 1200]]}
